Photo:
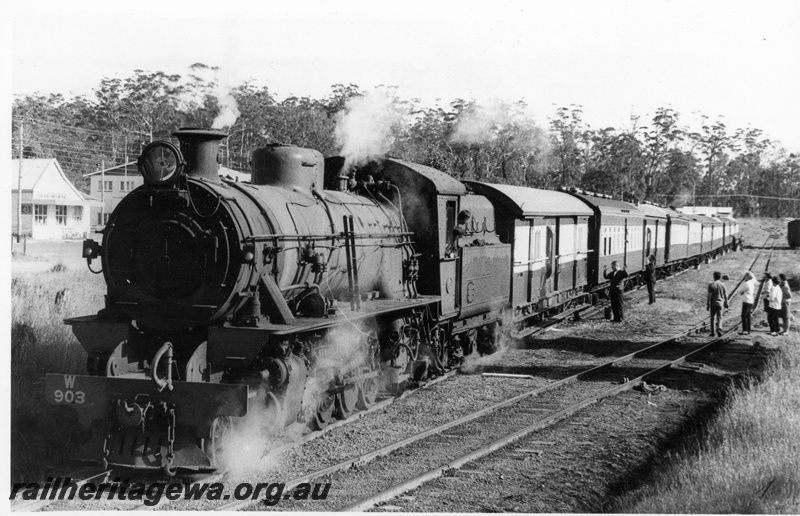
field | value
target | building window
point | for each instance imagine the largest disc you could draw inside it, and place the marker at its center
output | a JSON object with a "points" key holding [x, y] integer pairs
{"points": [[130, 185], [78, 213], [61, 215], [108, 186], [122, 186], [40, 213]]}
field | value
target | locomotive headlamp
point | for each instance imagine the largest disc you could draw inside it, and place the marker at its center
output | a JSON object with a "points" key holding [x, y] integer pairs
{"points": [[248, 254], [161, 163], [91, 249]]}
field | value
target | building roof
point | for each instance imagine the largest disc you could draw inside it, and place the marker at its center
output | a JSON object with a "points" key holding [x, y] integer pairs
{"points": [[32, 170], [708, 211], [129, 168], [531, 202]]}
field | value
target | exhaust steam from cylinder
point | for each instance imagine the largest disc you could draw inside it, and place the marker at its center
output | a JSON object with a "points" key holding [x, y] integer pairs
{"points": [[254, 443]]}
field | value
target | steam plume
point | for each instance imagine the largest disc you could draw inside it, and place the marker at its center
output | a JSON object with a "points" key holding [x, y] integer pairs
{"points": [[368, 126], [484, 123], [229, 111], [212, 81]]}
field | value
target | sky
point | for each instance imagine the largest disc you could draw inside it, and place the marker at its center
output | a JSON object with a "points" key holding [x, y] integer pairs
{"points": [[736, 59]]}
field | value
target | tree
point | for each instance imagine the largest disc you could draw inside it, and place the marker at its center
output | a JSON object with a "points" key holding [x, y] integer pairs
{"points": [[660, 143], [569, 144], [713, 143], [616, 165], [145, 103]]}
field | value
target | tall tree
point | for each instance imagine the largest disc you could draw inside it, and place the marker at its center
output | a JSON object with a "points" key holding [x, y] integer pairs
{"points": [[569, 143]]}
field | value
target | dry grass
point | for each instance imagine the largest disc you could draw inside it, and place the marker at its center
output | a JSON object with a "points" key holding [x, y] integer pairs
{"points": [[41, 343], [748, 458]]}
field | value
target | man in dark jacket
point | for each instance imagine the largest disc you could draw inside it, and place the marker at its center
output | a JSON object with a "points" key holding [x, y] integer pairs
{"points": [[617, 279], [716, 301], [650, 278]]}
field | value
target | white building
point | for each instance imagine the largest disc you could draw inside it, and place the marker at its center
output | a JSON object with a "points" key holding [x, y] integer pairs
{"points": [[109, 186], [52, 208], [708, 211]]}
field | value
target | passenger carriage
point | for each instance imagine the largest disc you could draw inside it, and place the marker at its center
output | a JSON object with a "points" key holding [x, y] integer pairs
{"points": [[656, 224], [549, 233], [616, 233], [677, 237]]}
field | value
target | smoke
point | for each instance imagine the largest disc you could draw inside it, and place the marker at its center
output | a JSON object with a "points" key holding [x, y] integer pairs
{"points": [[228, 111], [489, 122], [211, 81], [368, 126]]}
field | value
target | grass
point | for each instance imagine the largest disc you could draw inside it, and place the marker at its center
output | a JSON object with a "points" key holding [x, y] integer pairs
{"points": [[745, 457], [40, 344], [745, 460]]}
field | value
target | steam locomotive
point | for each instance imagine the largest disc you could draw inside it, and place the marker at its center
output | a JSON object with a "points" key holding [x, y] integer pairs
{"points": [[310, 291]]}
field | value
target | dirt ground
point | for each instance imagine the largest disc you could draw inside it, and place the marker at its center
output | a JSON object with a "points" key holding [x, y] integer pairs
{"points": [[580, 465]]}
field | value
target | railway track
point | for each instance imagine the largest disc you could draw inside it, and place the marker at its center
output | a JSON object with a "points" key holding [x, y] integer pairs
{"points": [[108, 475], [364, 459], [455, 434], [517, 417]]}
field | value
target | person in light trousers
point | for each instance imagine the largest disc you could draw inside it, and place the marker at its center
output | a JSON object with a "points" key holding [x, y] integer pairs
{"points": [[786, 303], [748, 299], [775, 299]]}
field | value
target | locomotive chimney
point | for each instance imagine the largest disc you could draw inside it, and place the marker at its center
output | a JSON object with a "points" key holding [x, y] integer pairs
{"points": [[200, 148]]}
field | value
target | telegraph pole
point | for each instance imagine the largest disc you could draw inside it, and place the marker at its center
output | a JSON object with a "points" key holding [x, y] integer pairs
{"points": [[103, 192], [19, 183]]}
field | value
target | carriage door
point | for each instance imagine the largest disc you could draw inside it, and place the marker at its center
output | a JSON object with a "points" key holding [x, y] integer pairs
{"points": [[550, 266], [724, 233], [655, 246], [625, 246], [565, 253], [448, 254]]}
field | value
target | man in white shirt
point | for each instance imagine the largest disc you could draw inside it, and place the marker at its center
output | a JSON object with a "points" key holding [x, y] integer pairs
{"points": [[748, 298], [775, 297]]}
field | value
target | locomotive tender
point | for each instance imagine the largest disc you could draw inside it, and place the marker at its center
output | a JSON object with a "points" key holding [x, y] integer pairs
{"points": [[307, 292]]}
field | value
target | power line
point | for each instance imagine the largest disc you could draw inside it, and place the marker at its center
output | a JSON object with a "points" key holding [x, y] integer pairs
{"points": [[728, 196]]}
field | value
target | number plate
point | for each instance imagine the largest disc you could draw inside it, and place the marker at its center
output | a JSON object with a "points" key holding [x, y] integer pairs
{"points": [[67, 389]]}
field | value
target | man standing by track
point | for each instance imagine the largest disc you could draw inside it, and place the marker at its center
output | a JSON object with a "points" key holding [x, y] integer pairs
{"points": [[786, 304], [748, 299], [617, 279], [716, 301], [650, 278]]}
